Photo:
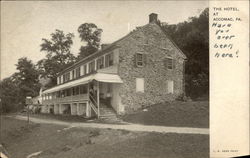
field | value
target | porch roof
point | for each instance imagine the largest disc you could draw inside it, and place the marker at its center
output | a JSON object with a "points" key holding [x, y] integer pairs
{"points": [[101, 77]]}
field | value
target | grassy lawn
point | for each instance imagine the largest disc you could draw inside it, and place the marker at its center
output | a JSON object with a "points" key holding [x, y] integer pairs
{"points": [[58, 141], [182, 114]]}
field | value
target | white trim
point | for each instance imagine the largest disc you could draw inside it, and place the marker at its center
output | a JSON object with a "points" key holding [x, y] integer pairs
{"points": [[101, 77]]}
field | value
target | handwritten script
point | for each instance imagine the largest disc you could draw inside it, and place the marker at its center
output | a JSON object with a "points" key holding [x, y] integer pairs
{"points": [[223, 22]]}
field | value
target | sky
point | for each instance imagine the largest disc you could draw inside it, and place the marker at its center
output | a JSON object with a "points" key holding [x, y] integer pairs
{"points": [[25, 23]]}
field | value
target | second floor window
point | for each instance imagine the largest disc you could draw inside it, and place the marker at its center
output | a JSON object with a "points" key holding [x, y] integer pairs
{"points": [[109, 61], [100, 63], [66, 77], [77, 72], [92, 66], [73, 74], [84, 69]]}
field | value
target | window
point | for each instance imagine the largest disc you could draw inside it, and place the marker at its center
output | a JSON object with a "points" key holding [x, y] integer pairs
{"points": [[83, 89], [139, 59], [92, 66], [139, 84], [68, 92], [77, 72], [170, 87], [100, 63], [109, 60], [109, 86], [59, 80], [58, 94], [67, 76], [64, 78], [73, 74], [63, 93], [73, 91], [84, 69], [169, 63], [77, 90]]}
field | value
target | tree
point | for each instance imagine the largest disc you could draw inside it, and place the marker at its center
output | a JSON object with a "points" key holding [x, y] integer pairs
{"points": [[58, 55], [91, 34], [9, 95], [192, 37], [27, 78], [23, 83]]}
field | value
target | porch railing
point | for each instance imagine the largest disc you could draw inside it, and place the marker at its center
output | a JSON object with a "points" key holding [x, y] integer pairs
{"points": [[93, 104]]}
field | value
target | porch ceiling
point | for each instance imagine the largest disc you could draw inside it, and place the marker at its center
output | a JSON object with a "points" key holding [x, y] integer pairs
{"points": [[101, 77]]}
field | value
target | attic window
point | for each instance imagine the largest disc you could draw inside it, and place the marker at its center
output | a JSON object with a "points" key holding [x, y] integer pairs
{"points": [[169, 63], [139, 59]]}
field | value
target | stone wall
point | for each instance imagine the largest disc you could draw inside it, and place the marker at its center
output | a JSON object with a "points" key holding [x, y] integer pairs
{"points": [[149, 40]]}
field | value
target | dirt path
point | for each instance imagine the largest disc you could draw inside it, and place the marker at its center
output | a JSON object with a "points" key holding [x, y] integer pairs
{"points": [[129, 127]]}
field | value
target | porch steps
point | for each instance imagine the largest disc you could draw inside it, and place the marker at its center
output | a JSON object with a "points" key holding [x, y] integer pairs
{"points": [[108, 114]]}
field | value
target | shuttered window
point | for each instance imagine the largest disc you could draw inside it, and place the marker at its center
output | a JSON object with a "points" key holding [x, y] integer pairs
{"points": [[140, 59], [169, 63]]}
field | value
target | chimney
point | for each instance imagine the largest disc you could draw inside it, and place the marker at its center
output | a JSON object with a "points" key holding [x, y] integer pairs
{"points": [[153, 18]]}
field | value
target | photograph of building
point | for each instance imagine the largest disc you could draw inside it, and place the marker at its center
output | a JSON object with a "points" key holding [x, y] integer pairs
{"points": [[143, 68]]}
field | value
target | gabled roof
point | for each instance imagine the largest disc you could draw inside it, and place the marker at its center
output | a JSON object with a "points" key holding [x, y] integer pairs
{"points": [[170, 39], [113, 46]]}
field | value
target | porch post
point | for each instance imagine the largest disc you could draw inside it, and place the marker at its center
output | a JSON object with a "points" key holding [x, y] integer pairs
{"points": [[77, 109], [98, 100]]}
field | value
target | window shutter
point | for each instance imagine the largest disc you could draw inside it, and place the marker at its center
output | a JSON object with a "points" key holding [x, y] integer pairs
{"points": [[165, 61], [144, 58], [135, 60], [174, 63]]}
